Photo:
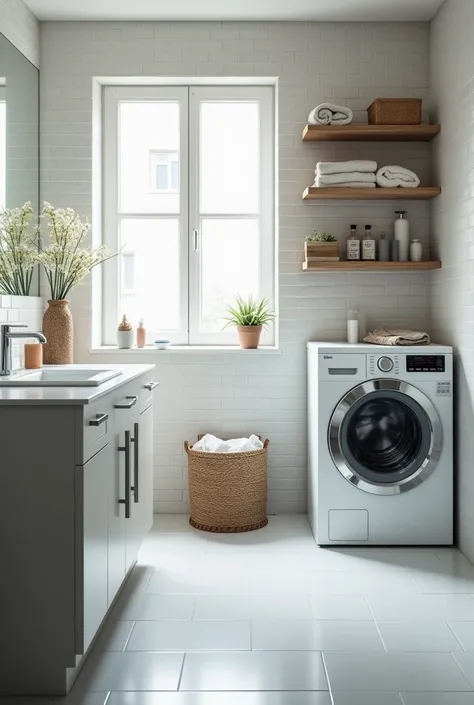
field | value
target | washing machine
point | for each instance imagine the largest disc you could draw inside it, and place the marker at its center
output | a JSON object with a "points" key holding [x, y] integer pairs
{"points": [[380, 444]]}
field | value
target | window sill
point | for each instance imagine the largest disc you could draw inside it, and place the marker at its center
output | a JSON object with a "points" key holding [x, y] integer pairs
{"points": [[150, 350]]}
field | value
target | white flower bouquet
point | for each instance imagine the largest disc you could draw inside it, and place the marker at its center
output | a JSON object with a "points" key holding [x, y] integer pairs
{"points": [[18, 250], [64, 260]]}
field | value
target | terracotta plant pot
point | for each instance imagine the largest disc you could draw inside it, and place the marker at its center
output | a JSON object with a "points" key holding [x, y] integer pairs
{"points": [[58, 329], [249, 336]]}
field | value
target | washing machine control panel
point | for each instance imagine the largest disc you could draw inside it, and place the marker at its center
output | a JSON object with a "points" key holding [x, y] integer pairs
{"points": [[385, 364], [426, 363]]}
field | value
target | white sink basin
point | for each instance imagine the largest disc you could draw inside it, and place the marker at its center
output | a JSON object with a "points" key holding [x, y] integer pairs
{"points": [[58, 377]]}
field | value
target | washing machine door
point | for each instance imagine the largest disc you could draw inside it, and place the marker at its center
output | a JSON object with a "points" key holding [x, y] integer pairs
{"points": [[385, 437]]}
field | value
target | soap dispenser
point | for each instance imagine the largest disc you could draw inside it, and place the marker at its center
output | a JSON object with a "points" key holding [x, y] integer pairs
{"points": [[141, 334]]}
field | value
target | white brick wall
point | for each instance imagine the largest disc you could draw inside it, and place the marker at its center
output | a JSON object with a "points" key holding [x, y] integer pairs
{"points": [[21, 27], [27, 310], [352, 63], [452, 60]]}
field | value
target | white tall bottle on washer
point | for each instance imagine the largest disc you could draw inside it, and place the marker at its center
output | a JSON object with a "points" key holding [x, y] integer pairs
{"points": [[402, 235]]}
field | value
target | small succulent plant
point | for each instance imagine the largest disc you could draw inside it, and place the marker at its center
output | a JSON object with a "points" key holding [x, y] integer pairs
{"points": [[316, 236], [125, 324], [250, 312]]}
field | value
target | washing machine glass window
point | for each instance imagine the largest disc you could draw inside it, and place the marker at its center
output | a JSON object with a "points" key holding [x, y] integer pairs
{"points": [[385, 437]]}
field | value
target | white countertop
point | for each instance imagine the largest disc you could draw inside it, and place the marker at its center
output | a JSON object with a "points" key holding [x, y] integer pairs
{"points": [[53, 396]]}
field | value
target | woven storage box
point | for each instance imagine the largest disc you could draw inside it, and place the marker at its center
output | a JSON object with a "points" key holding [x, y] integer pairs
{"points": [[395, 111], [228, 491]]}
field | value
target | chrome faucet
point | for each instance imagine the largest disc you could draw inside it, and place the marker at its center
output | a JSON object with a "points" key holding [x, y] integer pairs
{"points": [[6, 337]]}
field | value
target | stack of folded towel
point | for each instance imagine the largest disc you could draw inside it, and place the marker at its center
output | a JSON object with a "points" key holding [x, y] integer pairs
{"points": [[392, 176], [358, 173], [330, 114]]}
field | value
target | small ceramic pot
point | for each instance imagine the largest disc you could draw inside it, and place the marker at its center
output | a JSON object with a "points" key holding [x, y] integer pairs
{"points": [[249, 336], [125, 339]]}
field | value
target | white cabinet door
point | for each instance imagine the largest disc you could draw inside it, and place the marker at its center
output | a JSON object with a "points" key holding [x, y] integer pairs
{"points": [[93, 596]]}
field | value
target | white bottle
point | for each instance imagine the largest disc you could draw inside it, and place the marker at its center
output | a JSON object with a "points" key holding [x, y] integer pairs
{"points": [[353, 245], [402, 236], [353, 327], [416, 251]]}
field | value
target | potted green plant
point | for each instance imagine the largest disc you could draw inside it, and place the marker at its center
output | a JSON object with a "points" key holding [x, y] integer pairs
{"points": [[321, 246], [249, 316]]}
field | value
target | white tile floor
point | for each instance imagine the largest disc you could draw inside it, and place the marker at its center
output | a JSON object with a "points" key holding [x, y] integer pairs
{"points": [[268, 618]]}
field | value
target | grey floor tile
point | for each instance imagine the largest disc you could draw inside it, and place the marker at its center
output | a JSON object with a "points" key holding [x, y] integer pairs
{"points": [[394, 672], [243, 698], [131, 671], [365, 699], [256, 670], [438, 698], [190, 636]]}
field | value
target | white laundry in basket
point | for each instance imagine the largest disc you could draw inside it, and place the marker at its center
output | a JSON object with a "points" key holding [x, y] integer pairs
{"points": [[212, 444]]}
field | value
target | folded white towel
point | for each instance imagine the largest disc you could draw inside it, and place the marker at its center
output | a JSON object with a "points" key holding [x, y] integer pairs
{"points": [[330, 114], [367, 166], [392, 176], [347, 184], [352, 176]]}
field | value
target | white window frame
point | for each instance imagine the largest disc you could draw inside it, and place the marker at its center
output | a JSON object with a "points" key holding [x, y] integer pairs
{"points": [[190, 99]]}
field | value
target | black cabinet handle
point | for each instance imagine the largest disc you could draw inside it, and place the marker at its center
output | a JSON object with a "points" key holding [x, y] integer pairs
{"points": [[126, 449], [126, 403], [151, 386], [99, 420], [136, 460]]}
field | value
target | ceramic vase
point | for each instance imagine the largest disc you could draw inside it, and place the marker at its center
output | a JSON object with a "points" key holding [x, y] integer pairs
{"points": [[58, 329], [249, 336]]}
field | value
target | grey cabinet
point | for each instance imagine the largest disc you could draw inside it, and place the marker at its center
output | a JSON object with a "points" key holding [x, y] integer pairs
{"points": [[91, 554], [77, 501]]}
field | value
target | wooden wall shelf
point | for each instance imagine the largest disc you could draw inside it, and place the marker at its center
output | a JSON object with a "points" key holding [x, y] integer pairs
{"points": [[422, 193], [359, 266], [370, 133]]}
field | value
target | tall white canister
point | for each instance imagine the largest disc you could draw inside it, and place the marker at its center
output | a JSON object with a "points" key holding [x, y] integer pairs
{"points": [[402, 236]]}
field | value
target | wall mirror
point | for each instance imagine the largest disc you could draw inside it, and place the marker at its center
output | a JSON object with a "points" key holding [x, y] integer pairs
{"points": [[19, 159]]}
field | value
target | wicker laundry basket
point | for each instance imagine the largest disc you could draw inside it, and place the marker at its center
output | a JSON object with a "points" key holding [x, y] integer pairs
{"points": [[228, 491]]}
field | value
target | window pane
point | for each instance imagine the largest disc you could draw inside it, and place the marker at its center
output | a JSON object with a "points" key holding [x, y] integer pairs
{"points": [[162, 177], [175, 176], [148, 140], [155, 296], [229, 157], [128, 272], [230, 261]]}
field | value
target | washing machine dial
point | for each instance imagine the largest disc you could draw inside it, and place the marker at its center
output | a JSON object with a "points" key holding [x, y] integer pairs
{"points": [[385, 364]]}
